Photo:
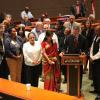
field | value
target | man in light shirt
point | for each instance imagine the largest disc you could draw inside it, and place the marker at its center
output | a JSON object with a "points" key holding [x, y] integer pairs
{"points": [[72, 23], [26, 12]]}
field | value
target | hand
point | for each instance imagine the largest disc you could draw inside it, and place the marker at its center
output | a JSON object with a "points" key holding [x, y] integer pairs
{"points": [[82, 53], [34, 62], [91, 60], [38, 62], [17, 57], [51, 62], [54, 58], [61, 54]]}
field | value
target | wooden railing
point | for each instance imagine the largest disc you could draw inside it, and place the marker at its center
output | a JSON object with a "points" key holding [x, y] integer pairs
{"points": [[54, 22]]}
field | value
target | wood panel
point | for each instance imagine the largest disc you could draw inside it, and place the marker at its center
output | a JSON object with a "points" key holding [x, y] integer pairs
{"points": [[53, 7], [19, 90]]}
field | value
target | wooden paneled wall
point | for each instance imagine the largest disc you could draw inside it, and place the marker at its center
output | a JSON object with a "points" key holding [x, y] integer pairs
{"points": [[53, 7]]}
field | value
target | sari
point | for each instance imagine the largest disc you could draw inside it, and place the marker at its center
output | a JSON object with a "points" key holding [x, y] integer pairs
{"points": [[51, 72]]}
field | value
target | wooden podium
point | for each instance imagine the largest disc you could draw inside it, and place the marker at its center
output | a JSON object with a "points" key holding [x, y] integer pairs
{"points": [[73, 63]]}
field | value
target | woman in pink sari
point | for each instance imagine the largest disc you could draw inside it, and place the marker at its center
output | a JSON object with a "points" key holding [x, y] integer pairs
{"points": [[50, 63]]}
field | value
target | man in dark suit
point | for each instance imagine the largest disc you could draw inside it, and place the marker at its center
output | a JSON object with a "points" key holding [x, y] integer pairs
{"points": [[95, 58], [78, 10], [75, 44]]}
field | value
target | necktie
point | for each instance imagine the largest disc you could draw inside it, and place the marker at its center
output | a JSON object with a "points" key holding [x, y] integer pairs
{"points": [[75, 41], [1, 47]]}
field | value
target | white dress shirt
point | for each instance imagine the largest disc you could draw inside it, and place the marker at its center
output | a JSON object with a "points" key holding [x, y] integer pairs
{"points": [[29, 14], [32, 53], [37, 33], [97, 55]]}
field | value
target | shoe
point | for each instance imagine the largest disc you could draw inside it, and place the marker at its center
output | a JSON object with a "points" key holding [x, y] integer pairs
{"points": [[84, 72], [86, 69], [60, 91], [64, 81], [97, 98], [1, 98], [92, 84], [42, 80], [94, 92]]}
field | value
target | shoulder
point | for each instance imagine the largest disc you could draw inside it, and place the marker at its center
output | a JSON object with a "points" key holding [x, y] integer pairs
{"points": [[70, 36], [98, 39], [82, 37], [77, 23], [42, 35], [33, 30], [54, 35], [37, 43], [19, 38], [22, 12], [43, 44], [8, 39], [29, 12], [66, 23], [26, 44]]}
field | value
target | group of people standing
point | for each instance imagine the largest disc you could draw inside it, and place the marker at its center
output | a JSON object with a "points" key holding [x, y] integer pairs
{"points": [[43, 48], [23, 55]]}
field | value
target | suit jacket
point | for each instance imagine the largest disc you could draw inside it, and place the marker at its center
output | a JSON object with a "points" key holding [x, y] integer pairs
{"points": [[89, 34], [2, 51], [69, 46], [95, 49], [82, 10]]}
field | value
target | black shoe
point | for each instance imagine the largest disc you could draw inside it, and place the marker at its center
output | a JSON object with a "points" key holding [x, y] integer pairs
{"points": [[84, 72], [60, 91], [64, 81], [1, 98], [94, 92], [97, 98], [92, 84], [42, 80]]}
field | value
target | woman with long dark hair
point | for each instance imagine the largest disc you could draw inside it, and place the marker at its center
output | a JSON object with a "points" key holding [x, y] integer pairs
{"points": [[50, 63]]}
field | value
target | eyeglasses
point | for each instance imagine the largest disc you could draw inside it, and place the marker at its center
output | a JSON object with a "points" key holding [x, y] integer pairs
{"points": [[31, 37], [14, 31]]}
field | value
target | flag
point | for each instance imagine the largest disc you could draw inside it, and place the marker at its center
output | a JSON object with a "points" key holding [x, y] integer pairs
{"points": [[83, 7], [93, 7], [85, 1]]}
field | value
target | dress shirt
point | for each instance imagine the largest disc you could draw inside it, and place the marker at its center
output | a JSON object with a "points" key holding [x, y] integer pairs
{"points": [[36, 32], [32, 53], [29, 14], [97, 55]]}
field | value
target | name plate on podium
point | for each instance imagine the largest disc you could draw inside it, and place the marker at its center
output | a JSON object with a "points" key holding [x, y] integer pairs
{"points": [[71, 59]]}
